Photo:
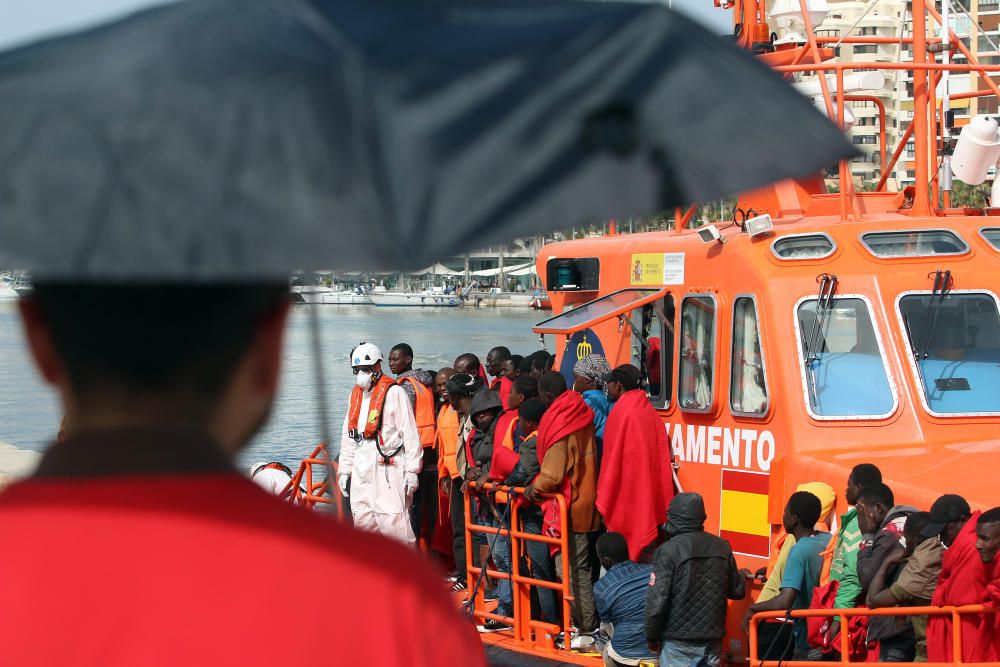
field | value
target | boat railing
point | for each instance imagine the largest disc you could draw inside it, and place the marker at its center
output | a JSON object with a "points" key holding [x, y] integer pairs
{"points": [[310, 485], [527, 632], [844, 615]]}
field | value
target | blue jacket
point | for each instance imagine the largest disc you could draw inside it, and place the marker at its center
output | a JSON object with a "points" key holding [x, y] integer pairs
{"points": [[601, 406], [621, 600]]}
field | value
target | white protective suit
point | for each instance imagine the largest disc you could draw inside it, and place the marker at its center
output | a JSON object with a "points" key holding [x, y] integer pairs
{"points": [[379, 499]]}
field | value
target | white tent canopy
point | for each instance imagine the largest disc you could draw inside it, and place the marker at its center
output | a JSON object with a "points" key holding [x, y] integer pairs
{"points": [[526, 270], [508, 270], [439, 269]]}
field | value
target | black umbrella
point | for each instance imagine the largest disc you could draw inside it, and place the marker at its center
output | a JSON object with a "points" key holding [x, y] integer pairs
{"points": [[230, 139]]}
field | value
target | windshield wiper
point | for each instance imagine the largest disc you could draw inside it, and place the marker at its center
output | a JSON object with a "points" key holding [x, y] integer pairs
{"points": [[942, 284], [812, 340]]}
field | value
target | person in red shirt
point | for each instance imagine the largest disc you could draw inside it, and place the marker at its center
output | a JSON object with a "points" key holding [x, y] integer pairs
{"points": [[500, 383], [137, 542], [988, 544], [962, 580]]}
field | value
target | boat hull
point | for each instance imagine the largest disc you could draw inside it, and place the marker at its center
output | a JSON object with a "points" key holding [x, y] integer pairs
{"points": [[416, 300]]}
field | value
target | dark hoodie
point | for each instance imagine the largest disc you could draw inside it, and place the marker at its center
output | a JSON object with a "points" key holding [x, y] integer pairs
{"points": [[482, 440], [694, 573], [871, 554]]}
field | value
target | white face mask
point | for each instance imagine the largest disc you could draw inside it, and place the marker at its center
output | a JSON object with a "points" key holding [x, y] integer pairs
{"points": [[364, 379]]}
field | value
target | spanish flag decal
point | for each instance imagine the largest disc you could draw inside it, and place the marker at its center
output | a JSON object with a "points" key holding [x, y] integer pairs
{"points": [[743, 517]]}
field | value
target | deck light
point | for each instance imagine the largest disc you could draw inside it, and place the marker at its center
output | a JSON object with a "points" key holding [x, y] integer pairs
{"points": [[758, 226], [710, 233]]}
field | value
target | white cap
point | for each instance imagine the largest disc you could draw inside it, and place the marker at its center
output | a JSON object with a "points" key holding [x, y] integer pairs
{"points": [[365, 354]]}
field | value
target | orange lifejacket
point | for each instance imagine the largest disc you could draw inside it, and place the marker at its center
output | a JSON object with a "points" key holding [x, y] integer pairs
{"points": [[424, 410], [373, 422], [447, 441]]}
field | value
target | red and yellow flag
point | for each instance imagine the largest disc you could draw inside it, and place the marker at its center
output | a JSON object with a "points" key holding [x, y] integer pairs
{"points": [[743, 516]]}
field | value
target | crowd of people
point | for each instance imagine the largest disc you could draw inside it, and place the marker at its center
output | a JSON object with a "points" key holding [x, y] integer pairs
{"points": [[512, 421]]}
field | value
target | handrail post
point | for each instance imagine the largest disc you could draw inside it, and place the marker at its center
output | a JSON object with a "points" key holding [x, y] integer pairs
{"points": [[466, 502], [567, 573], [754, 657], [956, 635]]}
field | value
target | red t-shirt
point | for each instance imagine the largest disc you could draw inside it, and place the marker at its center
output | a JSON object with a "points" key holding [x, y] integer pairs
{"points": [[205, 568]]}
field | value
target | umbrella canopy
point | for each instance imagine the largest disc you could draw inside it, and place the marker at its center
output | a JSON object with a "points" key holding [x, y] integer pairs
{"points": [[224, 139], [510, 270]]}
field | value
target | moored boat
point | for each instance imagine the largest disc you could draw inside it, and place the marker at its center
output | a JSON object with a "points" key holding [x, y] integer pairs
{"points": [[429, 299]]}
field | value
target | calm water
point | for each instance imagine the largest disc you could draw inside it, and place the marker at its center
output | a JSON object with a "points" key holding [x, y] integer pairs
{"points": [[29, 414]]}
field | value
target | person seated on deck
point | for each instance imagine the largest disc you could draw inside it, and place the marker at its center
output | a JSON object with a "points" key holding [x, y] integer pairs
{"points": [[908, 576], [802, 571], [771, 633], [163, 386], [621, 602]]}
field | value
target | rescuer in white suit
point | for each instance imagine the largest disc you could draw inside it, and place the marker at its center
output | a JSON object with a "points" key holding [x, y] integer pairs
{"points": [[380, 450]]}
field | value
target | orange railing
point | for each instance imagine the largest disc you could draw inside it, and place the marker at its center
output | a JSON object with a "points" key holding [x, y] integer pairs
{"points": [[955, 613], [527, 632], [308, 489]]}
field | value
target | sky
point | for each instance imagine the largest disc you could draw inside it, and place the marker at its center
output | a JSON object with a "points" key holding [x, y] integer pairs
{"points": [[23, 21]]}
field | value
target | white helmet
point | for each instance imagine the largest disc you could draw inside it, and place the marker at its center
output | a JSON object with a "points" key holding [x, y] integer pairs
{"points": [[365, 354]]}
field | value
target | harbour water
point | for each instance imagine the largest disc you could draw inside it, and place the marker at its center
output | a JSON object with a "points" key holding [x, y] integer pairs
{"points": [[29, 412]]}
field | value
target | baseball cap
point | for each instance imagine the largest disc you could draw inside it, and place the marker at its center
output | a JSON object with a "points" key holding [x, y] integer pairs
{"points": [[947, 508], [627, 374]]}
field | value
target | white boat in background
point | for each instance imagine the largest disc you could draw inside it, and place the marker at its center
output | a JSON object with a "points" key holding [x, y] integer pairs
{"points": [[14, 286], [427, 299], [320, 294]]}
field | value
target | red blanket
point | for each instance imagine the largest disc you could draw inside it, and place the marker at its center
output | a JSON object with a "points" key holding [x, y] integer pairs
{"points": [[962, 581], [635, 485], [567, 415], [987, 648]]}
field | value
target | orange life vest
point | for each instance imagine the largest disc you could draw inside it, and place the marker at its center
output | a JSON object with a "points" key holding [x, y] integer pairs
{"points": [[424, 411], [373, 421], [447, 441]]}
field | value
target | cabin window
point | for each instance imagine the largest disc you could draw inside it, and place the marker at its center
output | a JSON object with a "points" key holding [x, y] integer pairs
{"points": [[842, 362], [955, 343], [992, 236], [914, 243], [653, 348], [748, 385], [697, 354], [803, 246]]}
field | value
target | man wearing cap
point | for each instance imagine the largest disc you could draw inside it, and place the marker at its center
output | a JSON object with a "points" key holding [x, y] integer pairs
{"points": [[380, 450], [963, 576], [635, 484]]}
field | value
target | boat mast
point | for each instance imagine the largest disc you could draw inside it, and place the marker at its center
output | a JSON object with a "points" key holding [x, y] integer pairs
{"points": [[921, 199]]}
